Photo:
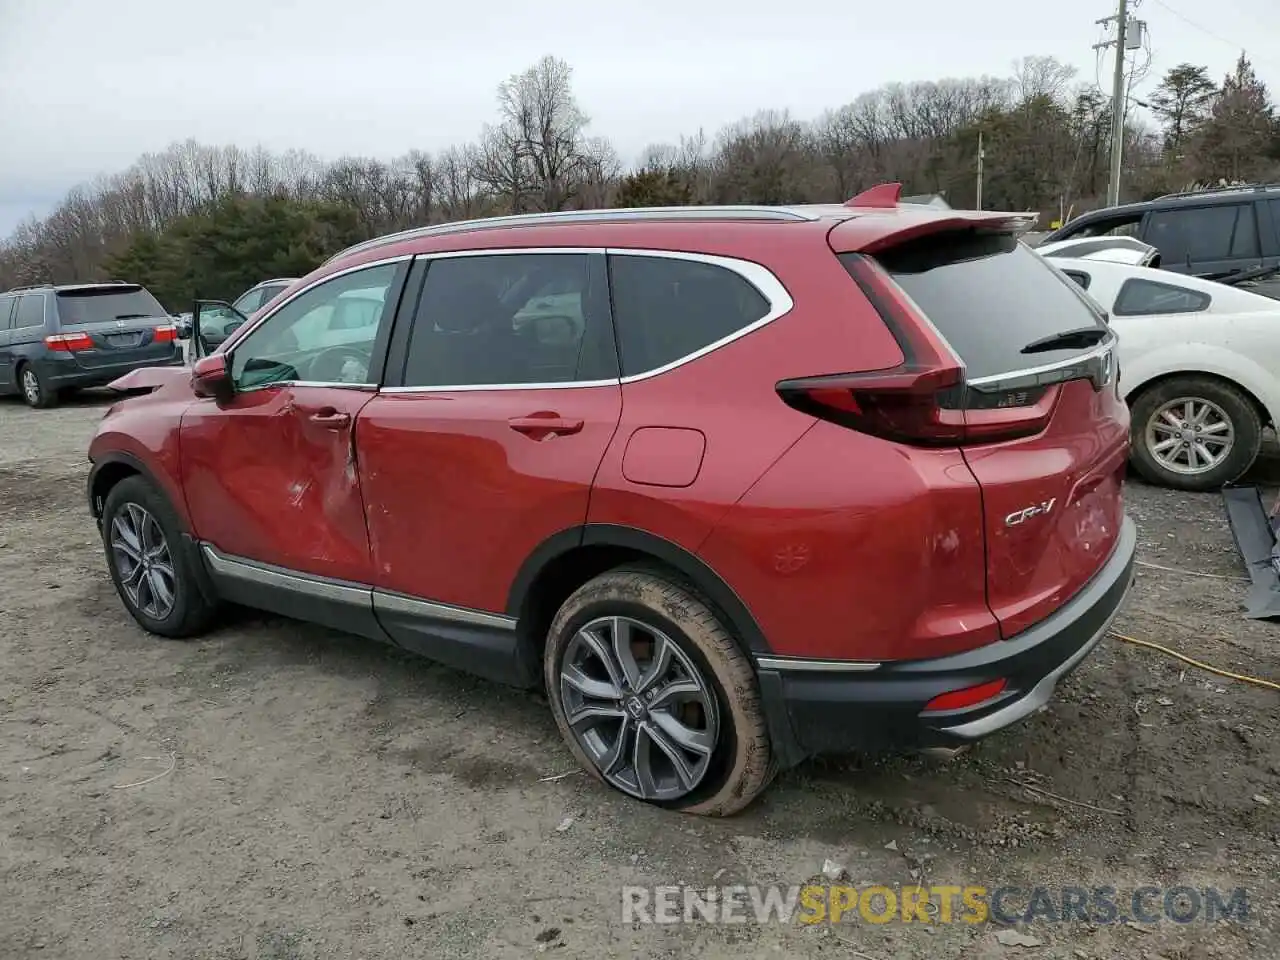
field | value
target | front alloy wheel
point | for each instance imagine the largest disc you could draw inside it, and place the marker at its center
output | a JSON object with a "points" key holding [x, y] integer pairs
{"points": [[654, 697], [143, 561]]}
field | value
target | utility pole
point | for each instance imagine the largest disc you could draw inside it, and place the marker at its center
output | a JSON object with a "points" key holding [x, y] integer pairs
{"points": [[981, 157], [1119, 94]]}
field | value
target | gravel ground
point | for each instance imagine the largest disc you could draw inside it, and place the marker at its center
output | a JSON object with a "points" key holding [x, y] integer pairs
{"points": [[322, 797]]}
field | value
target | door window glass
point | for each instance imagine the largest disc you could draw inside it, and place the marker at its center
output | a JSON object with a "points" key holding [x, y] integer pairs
{"points": [[325, 335], [1203, 233], [30, 311], [511, 319]]}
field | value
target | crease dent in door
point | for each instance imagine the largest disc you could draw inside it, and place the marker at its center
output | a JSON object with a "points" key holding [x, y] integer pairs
{"points": [[329, 477]]}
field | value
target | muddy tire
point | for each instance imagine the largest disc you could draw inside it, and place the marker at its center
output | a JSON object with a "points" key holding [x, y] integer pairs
{"points": [[154, 568], [654, 697], [1178, 421]]}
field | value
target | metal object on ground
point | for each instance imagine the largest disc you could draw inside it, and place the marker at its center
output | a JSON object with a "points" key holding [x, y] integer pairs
{"points": [[1254, 532]]}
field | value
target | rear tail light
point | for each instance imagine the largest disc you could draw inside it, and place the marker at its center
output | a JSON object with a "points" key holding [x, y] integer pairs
{"points": [[69, 342], [166, 334], [925, 400], [966, 696]]}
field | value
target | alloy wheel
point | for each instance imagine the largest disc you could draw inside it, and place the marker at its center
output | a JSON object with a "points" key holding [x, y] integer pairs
{"points": [[639, 707], [31, 386], [143, 561], [1190, 435]]}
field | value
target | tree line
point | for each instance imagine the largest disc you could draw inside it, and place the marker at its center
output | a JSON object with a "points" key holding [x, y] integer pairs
{"points": [[206, 220]]}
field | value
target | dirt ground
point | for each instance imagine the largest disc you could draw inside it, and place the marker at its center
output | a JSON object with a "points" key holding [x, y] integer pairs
{"points": [[322, 797]]}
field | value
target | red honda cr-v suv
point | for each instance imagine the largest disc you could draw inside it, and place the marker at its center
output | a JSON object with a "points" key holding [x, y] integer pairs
{"points": [[738, 485]]}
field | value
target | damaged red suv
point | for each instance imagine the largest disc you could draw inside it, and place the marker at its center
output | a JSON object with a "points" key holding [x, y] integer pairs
{"points": [[736, 485]]}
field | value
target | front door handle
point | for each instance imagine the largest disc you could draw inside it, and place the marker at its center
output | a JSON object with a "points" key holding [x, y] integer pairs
{"points": [[541, 426], [331, 418]]}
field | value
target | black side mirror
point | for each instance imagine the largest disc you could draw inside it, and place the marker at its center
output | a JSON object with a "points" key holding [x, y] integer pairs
{"points": [[212, 322]]}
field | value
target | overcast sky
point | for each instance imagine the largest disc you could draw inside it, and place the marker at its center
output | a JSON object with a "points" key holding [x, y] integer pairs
{"points": [[88, 85]]}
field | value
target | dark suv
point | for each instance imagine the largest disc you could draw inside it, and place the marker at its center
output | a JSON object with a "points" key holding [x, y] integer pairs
{"points": [[1208, 233], [734, 485], [59, 338]]}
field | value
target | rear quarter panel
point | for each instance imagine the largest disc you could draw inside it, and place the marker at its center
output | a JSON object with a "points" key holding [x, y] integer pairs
{"points": [[1244, 348]]}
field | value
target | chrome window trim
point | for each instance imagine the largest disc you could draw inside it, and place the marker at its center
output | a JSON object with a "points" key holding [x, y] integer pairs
{"points": [[759, 276], [365, 387], [245, 331]]}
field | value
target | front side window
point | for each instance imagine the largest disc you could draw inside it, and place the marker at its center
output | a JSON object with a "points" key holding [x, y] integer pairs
{"points": [[510, 320], [6, 309], [325, 335], [1140, 298], [1128, 225], [668, 308], [250, 301], [30, 311]]}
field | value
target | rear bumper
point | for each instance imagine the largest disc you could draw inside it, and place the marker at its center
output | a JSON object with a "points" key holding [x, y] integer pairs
{"points": [[65, 374], [830, 707]]}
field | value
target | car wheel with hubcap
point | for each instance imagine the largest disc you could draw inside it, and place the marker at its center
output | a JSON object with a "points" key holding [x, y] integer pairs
{"points": [[153, 568], [1194, 433], [34, 392], [654, 697]]}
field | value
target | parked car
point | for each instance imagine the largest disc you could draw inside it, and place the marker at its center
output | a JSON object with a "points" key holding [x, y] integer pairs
{"points": [[745, 484], [57, 338], [218, 324], [1208, 233], [1200, 368]]}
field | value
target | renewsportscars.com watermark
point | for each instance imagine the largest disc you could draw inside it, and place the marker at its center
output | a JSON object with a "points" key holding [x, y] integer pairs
{"points": [[879, 904]]}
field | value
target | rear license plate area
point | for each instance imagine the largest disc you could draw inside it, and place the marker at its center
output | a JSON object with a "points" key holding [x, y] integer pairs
{"points": [[124, 339]]}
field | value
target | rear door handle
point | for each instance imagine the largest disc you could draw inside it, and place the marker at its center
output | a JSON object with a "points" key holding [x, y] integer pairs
{"points": [[329, 417], [540, 426]]}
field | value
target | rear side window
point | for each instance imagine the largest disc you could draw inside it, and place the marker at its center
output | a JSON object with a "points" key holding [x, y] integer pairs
{"points": [[990, 296], [1147, 297], [78, 308], [30, 312], [666, 308]]}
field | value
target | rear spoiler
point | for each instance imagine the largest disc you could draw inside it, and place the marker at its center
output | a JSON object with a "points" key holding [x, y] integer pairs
{"points": [[910, 222]]}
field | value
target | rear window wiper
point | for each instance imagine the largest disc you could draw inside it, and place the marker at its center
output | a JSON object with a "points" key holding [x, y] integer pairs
{"points": [[1067, 339]]}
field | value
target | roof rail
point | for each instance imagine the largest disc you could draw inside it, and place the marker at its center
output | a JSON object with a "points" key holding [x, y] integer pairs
{"points": [[1222, 191], [33, 286], [619, 214]]}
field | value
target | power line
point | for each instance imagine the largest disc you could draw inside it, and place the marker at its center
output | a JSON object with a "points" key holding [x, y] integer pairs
{"points": [[1211, 34]]}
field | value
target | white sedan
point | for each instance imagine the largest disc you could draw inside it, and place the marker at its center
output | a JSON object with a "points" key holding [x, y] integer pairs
{"points": [[1199, 366]]}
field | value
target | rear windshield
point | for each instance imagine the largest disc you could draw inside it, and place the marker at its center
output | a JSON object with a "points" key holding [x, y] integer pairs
{"points": [[77, 308], [990, 296]]}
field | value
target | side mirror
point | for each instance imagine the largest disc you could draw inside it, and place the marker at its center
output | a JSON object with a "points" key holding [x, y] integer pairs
{"points": [[210, 377], [212, 321]]}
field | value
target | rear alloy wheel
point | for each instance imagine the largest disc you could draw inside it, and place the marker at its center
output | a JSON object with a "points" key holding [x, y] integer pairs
{"points": [[152, 566], [654, 697], [1194, 433], [34, 391]]}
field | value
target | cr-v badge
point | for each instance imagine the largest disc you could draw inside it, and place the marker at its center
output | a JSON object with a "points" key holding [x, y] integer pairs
{"points": [[1035, 510]]}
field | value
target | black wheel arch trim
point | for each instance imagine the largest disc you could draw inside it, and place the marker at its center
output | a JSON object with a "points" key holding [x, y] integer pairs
{"points": [[741, 621], [126, 459]]}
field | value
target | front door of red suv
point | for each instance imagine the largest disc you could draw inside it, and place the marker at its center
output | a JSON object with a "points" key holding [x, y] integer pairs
{"points": [[487, 443], [270, 474]]}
